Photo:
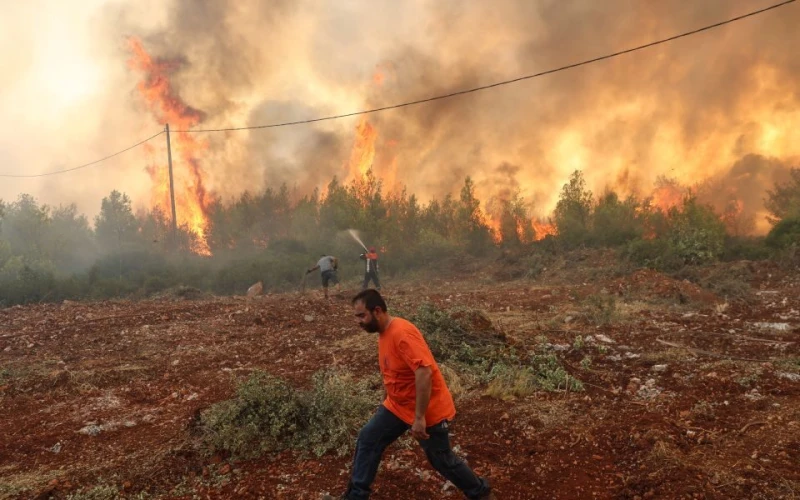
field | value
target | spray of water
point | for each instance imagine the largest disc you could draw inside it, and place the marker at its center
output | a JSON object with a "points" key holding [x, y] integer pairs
{"points": [[354, 234]]}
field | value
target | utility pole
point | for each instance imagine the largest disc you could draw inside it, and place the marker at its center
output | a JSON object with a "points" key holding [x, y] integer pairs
{"points": [[172, 190]]}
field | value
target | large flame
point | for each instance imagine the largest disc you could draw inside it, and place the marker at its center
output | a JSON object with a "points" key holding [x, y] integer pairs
{"points": [[362, 155], [192, 198]]}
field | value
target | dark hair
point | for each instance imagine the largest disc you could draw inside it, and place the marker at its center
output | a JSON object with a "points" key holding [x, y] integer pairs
{"points": [[371, 298]]}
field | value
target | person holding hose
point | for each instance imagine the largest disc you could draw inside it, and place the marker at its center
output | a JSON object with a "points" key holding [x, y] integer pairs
{"points": [[371, 268]]}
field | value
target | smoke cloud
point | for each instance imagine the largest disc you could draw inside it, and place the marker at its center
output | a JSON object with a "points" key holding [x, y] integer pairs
{"points": [[718, 108]]}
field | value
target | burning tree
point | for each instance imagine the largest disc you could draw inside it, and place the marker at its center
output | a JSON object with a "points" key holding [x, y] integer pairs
{"points": [[192, 198]]}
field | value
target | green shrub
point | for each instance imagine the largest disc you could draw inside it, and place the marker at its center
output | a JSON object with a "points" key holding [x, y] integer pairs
{"points": [[508, 382], [696, 234], [601, 309], [263, 416], [268, 415], [730, 282], [334, 409], [535, 264], [23, 281], [541, 372], [616, 222], [785, 233], [738, 248], [463, 335], [653, 253], [155, 284]]}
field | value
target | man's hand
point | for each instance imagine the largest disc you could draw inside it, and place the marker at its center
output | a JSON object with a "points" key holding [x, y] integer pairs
{"points": [[418, 428]]}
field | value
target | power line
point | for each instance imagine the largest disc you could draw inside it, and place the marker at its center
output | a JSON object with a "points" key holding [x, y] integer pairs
{"points": [[504, 82], [86, 164]]}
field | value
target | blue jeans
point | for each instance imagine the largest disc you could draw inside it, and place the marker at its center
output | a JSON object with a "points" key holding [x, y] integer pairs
{"points": [[382, 430]]}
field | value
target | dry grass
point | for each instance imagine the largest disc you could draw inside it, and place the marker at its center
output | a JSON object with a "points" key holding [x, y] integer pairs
{"points": [[664, 455], [459, 385], [668, 355], [361, 341], [16, 482], [536, 416]]}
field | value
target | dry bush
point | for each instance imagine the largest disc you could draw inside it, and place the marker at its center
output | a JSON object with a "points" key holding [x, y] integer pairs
{"points": [[602, 309]]}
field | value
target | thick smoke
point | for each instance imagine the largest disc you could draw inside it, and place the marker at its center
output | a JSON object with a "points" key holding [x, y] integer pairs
{"points": [[701, 109]]}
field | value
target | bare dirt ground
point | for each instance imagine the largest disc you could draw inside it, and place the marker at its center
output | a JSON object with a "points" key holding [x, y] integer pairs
{"points": [[687, 395]]}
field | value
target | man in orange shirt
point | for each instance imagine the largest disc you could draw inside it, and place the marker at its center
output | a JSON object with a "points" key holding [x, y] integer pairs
{"points": [[417, 398]]}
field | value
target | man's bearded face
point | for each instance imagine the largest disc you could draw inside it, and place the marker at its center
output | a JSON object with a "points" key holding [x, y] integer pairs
{"points": [[365, 318]]}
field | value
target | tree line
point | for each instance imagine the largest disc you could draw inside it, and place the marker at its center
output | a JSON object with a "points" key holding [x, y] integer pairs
{"points": [[50, 253]]}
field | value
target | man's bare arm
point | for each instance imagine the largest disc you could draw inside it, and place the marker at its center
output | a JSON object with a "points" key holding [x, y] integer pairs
{"points": [[422, 381]]}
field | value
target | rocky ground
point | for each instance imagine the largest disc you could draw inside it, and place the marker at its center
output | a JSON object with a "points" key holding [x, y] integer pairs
{"points": [[687, 393]]}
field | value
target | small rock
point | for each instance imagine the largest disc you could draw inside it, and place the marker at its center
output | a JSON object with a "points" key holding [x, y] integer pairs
{"points": [[447, 486], [781, 327], [91, 430], [255, 289], [660, 368], [56, 448], [225, 469], [754, 395], [309, 318], [794, 377], [604, 338]]}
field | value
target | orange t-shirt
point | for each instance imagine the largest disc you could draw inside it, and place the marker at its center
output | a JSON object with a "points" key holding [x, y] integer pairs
{"points": [[401, 350]]}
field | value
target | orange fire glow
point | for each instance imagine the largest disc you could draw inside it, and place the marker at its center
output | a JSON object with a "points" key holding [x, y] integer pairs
{"points": [[363, 153], [667, 195], [192, 198], [543, 229]]}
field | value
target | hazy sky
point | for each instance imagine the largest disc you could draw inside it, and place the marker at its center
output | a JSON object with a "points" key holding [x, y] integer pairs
{"points": [[720, 105]]}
